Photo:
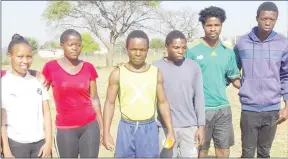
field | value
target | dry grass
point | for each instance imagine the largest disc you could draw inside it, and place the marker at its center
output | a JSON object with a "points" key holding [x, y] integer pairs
{"points": [[279, 148]]}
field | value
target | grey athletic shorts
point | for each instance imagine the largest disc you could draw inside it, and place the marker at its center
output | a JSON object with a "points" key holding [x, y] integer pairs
{"points": [[25, 150], [219, 127], [185, 145]]}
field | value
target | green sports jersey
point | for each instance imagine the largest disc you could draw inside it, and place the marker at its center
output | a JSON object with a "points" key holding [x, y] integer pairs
{"points": [[216, 63]]}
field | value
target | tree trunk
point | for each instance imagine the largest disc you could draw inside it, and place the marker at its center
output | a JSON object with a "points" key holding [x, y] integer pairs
{"points": [[109, 56]]}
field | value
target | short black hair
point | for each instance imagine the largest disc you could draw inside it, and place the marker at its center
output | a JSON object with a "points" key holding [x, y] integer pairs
{"points": [[267, 6], [68, 33], [175, 34], [212, 11], [137, 34], [17, 39]]}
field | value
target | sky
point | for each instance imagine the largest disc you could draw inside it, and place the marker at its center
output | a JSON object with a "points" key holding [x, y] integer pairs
{"points": [[24, 17]]}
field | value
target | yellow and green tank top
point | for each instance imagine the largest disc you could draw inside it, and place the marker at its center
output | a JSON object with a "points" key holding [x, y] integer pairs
{"points": [[137, 93]]}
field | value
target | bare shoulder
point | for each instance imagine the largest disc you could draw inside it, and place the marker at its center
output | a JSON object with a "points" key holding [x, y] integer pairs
{"points": [[159, 76], [115, 75]]}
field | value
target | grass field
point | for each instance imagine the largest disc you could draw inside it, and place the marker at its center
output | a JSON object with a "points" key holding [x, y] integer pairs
{"points": [[280, 145]]}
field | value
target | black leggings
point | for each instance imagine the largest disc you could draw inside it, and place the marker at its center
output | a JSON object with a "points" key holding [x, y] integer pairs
{"points": [[84, 140]]}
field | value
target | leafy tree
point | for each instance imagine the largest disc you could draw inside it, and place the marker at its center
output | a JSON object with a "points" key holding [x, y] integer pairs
{"points": [[88, 43], [34, 43], [98, 17], [157, 43], [51, 45]]}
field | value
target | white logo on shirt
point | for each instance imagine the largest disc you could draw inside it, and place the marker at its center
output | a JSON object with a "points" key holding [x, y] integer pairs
{"points": [[13, 94], [138, 93], [200, 57]]}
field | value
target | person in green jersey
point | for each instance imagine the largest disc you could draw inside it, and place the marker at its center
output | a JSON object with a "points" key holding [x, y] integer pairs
{"points": [[217, 62]]}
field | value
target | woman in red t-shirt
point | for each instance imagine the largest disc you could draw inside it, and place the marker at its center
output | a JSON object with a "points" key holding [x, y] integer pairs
{"points": [[79, 117]]}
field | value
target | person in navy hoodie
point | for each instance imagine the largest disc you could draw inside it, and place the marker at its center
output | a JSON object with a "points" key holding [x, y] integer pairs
{"points": [[263, 57]]}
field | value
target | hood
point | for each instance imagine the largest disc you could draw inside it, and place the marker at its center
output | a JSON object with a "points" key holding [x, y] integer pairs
{"points": [[254, 38]]}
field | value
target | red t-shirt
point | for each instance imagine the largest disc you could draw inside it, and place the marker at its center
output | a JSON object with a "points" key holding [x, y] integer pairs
{"points": [[3, 72], [71, 94]]}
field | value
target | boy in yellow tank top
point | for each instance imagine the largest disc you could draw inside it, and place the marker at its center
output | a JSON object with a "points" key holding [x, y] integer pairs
{"points": [[138, 86]]}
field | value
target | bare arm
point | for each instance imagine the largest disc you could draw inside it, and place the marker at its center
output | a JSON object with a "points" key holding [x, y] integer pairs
{"points": [[109, 107], [46, 149], [164, 107], [96, 103], [112, 92], [236, 83], [233, 68], [47, 122], [5, 144]]}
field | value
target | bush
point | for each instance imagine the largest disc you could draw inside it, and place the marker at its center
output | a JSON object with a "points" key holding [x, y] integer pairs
{"points": [[5, 62]]}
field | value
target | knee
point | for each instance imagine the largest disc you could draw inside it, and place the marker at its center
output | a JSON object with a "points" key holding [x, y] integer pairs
{"points": [[220, 153]]}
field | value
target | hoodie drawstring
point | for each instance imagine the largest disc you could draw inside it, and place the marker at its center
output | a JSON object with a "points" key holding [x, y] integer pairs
{"points": [[269, 53], [253, 60]]}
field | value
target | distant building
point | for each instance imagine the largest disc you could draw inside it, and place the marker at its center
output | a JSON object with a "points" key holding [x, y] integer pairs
{"points": [[101, 51], [54, 53]]}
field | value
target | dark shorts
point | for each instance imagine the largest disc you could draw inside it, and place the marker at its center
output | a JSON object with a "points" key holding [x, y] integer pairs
{"points": [[219, 127], [84, 140], [137, 139], [25, 150], [257, 131]]}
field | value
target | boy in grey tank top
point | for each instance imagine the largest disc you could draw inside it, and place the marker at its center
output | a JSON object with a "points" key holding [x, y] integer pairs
{"points": [[184, 90]]}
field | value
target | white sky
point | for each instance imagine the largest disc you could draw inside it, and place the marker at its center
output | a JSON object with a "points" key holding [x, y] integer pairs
{"points": [[24, 17]]}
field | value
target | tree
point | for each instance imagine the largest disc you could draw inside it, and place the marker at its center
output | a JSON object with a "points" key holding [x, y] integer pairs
{"points": [[34, 44], [157, 43], [88, 43], [182, 20], [51, 45], [114, 17]]}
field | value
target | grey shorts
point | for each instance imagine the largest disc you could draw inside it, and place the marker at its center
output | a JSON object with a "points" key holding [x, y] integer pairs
{"points": [[219, 127], [185, 145], [25, 150]]}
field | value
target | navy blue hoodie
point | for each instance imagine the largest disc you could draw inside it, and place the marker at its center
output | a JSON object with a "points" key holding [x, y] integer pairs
{"points": [[264, 71]]}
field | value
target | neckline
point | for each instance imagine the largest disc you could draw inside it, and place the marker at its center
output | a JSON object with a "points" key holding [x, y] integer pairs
{"points": [[135, 71], [171, 63], [207, 45], [68, 72], [9, 72]]}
